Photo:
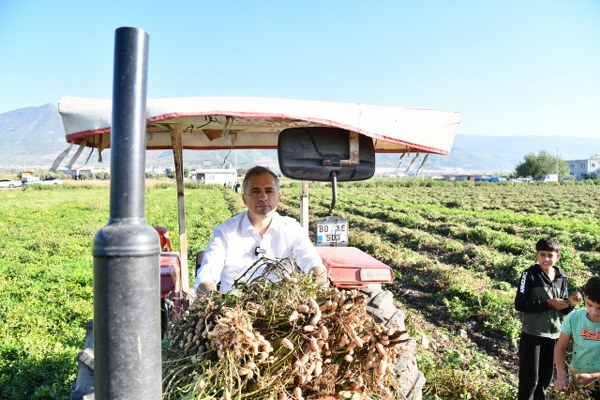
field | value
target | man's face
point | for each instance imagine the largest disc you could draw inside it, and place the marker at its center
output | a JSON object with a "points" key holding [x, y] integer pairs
{"points": [[262, 195], [547, 259]]}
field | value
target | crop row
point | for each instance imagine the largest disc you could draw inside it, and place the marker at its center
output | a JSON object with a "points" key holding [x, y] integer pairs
{"points": [[438, 231], [411, 254], [506, 231]]}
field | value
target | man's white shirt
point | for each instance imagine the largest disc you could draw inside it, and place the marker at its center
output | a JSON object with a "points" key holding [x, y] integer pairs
{"points": [[232, 249]]}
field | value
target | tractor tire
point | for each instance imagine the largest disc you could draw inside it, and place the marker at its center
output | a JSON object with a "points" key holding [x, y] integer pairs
{"points": [[83, 387], [381, 307]]}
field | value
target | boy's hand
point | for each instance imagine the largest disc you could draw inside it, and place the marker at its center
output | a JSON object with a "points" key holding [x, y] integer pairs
{"points": [[575, 298], [561, 382], [585, 379], [558, 304]]}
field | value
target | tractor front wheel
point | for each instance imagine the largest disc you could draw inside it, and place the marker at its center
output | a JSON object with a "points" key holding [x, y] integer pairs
{"points": [[381, 307]]}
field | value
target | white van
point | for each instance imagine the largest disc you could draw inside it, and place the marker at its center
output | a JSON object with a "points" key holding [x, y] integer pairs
{"points": [[28, 179]]}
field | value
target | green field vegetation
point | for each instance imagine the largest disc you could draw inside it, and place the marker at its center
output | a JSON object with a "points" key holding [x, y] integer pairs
{"points": [[457, 251]]}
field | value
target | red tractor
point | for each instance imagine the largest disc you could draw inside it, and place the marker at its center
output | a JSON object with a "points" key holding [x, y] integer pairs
{"points": [[316, 141]]}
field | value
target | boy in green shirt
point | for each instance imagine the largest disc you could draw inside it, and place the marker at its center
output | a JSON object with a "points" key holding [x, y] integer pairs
{"points": [[584, 327]]}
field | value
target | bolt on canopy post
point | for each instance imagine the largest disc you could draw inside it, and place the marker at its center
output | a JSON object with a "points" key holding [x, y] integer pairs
{"points": [[126, 250]]}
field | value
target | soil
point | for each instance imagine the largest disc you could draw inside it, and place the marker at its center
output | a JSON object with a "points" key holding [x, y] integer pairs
{"points": [[472, 334]]}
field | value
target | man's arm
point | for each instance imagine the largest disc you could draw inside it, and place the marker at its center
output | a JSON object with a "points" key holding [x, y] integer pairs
{"points": [[213, 263], [304, 252]]}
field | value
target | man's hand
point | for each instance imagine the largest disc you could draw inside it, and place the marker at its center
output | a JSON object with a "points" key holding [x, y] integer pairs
{"points": [[558, 304], [575, 298], [320, 274], [206, 287]]}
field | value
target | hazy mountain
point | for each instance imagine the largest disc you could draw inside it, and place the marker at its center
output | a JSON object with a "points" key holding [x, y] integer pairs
{"points": [[491, 154], [33, 137], [29, 134]]}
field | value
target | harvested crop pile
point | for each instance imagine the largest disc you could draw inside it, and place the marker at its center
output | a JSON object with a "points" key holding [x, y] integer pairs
{"points": [[574, 391], [292, 339]]}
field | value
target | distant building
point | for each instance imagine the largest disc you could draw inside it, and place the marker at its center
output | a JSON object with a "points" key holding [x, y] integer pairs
{"points": [[489, 179], [77, 172], [219, 176], [583, 169], [458, 177]]}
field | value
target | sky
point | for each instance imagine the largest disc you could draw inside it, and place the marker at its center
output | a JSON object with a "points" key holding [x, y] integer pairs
{"points": [[511, 67]]}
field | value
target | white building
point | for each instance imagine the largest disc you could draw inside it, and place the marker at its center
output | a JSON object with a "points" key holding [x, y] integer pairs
{"points": [[581, 169], [77, 171], [218, 176]]}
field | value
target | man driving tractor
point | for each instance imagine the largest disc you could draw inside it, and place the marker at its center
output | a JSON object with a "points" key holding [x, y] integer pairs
{"points": [[239, 242]]}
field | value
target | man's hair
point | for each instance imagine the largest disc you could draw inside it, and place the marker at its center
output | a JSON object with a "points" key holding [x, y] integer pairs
{"points": [[547, 244], [592, 289], [255, 171]]}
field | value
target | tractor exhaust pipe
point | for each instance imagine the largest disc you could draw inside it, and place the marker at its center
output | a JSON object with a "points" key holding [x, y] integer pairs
{"points": [[126, 250]]}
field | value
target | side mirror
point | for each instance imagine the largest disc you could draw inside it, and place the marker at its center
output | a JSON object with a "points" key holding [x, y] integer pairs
{"points": [[325, 154]]}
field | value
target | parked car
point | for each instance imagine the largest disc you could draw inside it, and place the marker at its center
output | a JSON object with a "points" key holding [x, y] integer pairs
{"points": [[50, 181], [9, 183], [45, 181]]}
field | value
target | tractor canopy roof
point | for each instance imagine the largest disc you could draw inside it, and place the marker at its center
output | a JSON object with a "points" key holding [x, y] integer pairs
{"points": [[205, 123]]}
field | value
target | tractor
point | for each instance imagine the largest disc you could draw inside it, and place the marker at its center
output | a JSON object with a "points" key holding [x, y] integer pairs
{"points": [[316, 141]]}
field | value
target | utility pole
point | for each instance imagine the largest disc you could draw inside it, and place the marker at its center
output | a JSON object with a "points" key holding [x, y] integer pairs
{"points": [[557, 176]]}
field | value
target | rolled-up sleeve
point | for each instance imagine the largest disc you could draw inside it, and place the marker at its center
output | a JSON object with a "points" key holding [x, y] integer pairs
{"points": [[303, 251], [213, 261]]}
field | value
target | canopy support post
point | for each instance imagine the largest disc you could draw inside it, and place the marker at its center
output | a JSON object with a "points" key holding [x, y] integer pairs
{"points": [[304, 205], [176, 142]]}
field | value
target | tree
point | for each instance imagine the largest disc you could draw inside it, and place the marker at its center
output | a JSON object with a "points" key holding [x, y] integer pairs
{"points": [[540, 165]]}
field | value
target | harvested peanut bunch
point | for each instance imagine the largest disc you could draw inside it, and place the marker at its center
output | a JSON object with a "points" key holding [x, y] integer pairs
{"points": [[294, 339], [575, 391]]}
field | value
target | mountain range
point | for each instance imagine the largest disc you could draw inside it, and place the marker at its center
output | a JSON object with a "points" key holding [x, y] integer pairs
{"points": [[32, 138]]}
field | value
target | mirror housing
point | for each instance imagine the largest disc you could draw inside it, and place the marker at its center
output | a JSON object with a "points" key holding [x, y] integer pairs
{"points": [[325, 154]]}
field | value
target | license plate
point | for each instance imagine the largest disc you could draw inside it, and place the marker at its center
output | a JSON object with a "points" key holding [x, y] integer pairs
{"points": [[332, 233]]}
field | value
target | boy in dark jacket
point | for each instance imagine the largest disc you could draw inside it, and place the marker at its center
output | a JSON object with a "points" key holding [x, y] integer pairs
{"points": [[543, 301]]}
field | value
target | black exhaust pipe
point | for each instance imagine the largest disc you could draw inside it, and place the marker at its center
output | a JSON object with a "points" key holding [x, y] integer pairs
{"points": [[126, 250]]}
